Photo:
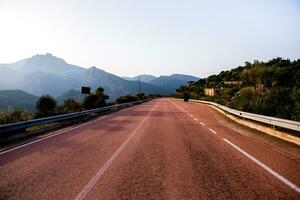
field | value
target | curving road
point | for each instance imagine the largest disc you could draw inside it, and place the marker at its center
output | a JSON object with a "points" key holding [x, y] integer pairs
{"points": [[162, 149]]}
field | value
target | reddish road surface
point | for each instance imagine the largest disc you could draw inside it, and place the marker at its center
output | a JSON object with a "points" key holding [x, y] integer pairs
{"points": [[163, 149]]}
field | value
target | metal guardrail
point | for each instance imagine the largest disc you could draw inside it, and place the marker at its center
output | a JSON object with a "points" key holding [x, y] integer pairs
{"points": [[34, 122], [273, 121]]}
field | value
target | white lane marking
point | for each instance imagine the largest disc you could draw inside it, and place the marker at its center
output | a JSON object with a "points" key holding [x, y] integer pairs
{"points": [[211, 130], [195, 119], [192, 116], [52, 135], [55, 134], [179, 107], [88, 187], [202, 123], [268, 169]]}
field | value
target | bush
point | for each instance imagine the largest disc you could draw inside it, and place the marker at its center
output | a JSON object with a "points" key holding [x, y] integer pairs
{"points": [[46, 106], [71, 105], [126, 99], [3, 117], [95, 100], [244, 99], [16, 115]]}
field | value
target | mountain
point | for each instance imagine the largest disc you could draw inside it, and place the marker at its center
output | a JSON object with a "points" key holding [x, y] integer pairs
{"points": [[10, 99], [144, 78], [47, 74], [172, 82], [184, 77], [71, 94]]}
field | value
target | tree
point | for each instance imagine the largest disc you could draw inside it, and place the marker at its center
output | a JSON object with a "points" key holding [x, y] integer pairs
{"points": [[71, 105], [95, 100], [126, 99], [46, 106]]}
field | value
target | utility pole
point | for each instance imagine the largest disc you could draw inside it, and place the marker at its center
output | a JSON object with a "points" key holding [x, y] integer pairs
{"points": [[139, 84]]}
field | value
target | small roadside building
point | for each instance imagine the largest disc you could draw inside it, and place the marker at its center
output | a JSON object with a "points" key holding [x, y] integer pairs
{"points": [[210, 91]]}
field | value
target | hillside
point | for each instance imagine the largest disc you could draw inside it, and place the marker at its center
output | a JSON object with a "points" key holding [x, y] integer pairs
{"points": [[143, 78], [71, 94], [10, 99], [172, 82], [169, 83], [47, 74], [269, 88]]}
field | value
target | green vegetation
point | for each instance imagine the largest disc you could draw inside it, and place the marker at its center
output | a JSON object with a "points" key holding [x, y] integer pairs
{"points": [[268, 88], [95, 100], [132, 98], [14, 116], [71, 105], [46, 106]]}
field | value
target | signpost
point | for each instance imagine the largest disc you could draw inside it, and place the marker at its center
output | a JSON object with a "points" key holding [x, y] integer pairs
{"points": [[85, 91]]}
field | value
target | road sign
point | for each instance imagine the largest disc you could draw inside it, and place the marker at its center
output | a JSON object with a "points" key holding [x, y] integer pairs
{"points": [[85, 90]]}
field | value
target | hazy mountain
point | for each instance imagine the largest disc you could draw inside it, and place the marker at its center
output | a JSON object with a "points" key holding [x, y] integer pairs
{"points": [[169, 83], [172, 82], [10, 99], [184, 77], [116, 86], [47, 74], [144, 78], [71, 94]]}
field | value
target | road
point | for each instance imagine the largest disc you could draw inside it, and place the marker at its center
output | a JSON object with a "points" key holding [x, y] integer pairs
{"points": [[162, 149]]}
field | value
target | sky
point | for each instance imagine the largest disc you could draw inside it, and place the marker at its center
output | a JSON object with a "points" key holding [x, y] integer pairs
{"points": [[158, 37]]}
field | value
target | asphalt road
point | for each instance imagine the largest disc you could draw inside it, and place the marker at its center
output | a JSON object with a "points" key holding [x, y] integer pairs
{"points": [[162, 149]]}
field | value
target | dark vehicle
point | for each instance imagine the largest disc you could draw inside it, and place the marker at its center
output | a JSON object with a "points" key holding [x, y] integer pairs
{"points": [[186, 96]]}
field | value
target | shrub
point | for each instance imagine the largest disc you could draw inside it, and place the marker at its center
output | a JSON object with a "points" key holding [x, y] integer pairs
{"points": [[126, 99], [95, 100], [18, 115], [71, 105], [46, 106]]}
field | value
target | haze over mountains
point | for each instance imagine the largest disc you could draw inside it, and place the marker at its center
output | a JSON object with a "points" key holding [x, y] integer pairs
{"points": [[47, 74]]}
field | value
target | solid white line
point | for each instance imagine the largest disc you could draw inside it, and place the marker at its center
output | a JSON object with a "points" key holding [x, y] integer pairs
{"points": [[211, 130], [88, 187], [274, 173], [202, 123], [195, 119], [52, 135]]}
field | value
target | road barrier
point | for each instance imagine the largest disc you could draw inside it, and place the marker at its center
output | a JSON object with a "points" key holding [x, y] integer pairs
{"points": [[273, 121], [14, 127]]}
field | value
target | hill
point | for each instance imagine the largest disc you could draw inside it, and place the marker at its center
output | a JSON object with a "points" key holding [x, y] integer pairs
{"points": [[172, 82], [269, 88], [10, 99], [47, 74], [71, 94], [143, 78]]}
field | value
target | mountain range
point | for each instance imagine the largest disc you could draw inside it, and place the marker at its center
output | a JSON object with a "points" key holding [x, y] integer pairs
{"points": [[47, 74]]}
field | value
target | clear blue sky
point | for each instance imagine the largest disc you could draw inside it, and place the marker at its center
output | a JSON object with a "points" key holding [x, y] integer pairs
{"points": [[131, 37]]}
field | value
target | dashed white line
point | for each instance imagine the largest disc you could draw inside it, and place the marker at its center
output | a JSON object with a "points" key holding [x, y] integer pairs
{"points": [[268, 169], [211, 130], [202, 123], [195, 119], [88, 187]]}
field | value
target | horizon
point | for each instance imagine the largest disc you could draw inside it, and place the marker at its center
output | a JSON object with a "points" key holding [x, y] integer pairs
{"points": [[198, 38], [135, 75]]}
